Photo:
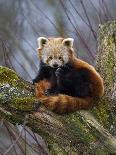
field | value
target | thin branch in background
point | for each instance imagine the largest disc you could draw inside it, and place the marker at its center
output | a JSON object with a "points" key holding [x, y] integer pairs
{"points": [[78, 33], [10, 63], [10, 135], [16, 43], [37, 142], [89, 36], [30, 23], [76, 26], [16, 138], [90, 25], [104, 10], [100, 13], [24, 129], [96, 11], [47, 17], [39, 146], [18, 143], [4, 53], [6, 56], [107, 10], [15, 58], [73, 6], [28, 20], [30, 45]]}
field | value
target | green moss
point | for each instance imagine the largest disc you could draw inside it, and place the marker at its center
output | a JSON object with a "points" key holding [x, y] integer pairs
{"points": [[55, 146], [12, 118], [101, 111], [15, 92], [25, 104], [79, 128], [55, 149], [8, 76], [108, 63], [105, 64]]}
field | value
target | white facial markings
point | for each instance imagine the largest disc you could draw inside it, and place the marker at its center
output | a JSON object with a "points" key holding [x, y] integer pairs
{"points": [[44, 58], [55, 61], [45, 54], [66, 57], [59, 54]]}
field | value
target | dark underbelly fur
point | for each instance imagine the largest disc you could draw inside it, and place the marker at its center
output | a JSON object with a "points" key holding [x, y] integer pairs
{"points": [[72, 82], [67, 80], [47, 72]]}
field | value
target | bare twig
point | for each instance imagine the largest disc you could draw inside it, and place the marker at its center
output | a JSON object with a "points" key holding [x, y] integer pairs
{"points": [[97, 12], [90, 25], [47, 17], [6, 56], [13, 144], [30, 23]]}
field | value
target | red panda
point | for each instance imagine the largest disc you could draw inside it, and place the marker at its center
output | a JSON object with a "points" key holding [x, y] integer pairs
{"points": [[72, 84]]}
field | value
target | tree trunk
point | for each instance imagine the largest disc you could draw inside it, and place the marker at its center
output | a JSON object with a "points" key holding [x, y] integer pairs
{"points": [[88, 132]]}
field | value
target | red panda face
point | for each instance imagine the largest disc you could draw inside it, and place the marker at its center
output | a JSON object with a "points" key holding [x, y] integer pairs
{"points": [[54, 52], [55, 57]]}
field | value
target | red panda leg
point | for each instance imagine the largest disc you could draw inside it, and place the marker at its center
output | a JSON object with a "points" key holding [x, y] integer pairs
{"points": [[41, 87]]}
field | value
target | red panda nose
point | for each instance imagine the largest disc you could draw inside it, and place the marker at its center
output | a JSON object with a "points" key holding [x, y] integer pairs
{"points": [[55, 65]]}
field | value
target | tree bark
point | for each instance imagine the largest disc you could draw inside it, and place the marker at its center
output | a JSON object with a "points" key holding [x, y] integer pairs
{"points": [[88, 132]]}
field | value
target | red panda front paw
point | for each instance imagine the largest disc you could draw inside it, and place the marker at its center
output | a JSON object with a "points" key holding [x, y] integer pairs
{"points": [[59, 72], [63, 72]]}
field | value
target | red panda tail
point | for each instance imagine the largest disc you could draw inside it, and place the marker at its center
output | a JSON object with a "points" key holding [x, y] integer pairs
{"points": [[65, 104], [61, 103]]}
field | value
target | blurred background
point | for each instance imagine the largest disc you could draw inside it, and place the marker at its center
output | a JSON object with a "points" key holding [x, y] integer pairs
{"points": [[23, 21]]}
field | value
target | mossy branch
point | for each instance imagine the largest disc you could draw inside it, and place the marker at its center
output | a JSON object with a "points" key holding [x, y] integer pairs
{"points": [[91, 131]]}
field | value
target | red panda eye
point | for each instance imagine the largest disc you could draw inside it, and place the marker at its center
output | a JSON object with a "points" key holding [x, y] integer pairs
{"points": [[60, 58], [50, 58]]}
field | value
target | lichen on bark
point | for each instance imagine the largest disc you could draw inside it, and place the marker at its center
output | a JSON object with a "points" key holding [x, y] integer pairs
{"points": [[106, 64], [15, 92]]}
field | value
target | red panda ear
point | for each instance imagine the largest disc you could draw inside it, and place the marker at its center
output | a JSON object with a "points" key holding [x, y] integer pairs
{"points": [[41, 42], [68, 42]]}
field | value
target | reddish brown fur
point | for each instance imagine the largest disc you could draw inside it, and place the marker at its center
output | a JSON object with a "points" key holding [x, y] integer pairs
{"points": [[63, 103], [41, 87], [96, 80]]}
